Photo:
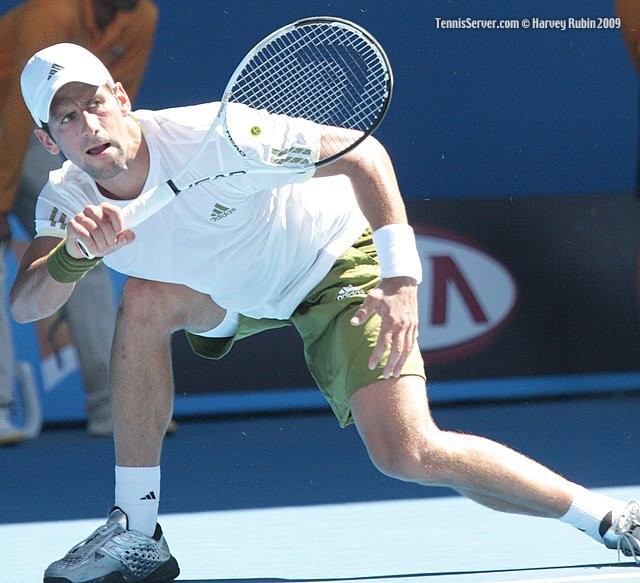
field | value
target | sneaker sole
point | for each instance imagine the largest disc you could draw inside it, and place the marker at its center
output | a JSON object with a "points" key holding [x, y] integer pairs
{"points": [[163, 574]]}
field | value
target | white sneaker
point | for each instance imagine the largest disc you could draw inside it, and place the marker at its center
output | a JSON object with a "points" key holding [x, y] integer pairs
{"points": [[9, 433], [624, 533], [114, 554]]}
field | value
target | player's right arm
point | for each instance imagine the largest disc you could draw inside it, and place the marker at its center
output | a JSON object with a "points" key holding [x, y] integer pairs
{"points": [[35, 294]]}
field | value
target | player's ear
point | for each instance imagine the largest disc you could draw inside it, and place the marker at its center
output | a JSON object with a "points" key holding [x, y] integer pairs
{"points": [[47, 141], [123, 98]]}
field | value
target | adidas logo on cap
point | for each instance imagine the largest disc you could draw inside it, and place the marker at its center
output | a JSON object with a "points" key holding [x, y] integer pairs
{"points": [[54, 69]]}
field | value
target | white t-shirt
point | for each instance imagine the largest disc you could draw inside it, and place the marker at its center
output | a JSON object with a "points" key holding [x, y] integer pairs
{"points": [[255, 246]]}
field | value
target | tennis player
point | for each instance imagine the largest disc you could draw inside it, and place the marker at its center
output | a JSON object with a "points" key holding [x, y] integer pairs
{"points": [[232, 258]]}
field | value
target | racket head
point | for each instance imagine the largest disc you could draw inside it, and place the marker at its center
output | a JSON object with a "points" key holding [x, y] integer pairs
{"points": [[326, 70]]}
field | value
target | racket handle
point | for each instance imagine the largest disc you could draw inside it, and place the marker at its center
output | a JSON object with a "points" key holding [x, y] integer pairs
{"points": [[140, 209]]}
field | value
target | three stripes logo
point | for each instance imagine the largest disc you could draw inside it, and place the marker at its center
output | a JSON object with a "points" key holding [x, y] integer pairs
{"points": [[58, 218], [150, 496], [296, 155], [54, 69], [220, 212]]}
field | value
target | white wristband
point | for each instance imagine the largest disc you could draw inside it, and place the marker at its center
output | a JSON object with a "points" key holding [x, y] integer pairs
{"points": [[397, 252]]}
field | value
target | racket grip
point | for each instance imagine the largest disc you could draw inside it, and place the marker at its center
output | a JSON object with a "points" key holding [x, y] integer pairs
{"points": [[140, 209]]}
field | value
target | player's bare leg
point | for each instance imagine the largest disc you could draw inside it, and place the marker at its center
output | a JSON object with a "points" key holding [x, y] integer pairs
{"points": [[142, 395], [141, 369], [403, 441]]}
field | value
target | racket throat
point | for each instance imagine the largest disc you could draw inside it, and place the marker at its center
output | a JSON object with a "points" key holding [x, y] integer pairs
{"points": [[173, 187]]}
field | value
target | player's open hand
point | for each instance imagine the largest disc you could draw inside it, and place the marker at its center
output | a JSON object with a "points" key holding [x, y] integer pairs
{"points": [[396, 301], [100, 229]]}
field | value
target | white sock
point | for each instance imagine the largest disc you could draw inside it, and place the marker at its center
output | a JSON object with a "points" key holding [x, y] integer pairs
{"points": [[588, 510], [138, 496]]}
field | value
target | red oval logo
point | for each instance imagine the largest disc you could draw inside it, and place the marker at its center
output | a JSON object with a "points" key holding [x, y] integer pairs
{"points": [[465, 297]]}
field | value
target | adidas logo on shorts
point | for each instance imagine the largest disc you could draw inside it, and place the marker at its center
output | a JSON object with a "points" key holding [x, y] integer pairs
{"points": [[349, 291]]}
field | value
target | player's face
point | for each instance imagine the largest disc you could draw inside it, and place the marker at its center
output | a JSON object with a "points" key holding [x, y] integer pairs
{"points": [[89, 126]]}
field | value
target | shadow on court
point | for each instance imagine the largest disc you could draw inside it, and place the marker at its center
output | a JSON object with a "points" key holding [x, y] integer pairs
{"points": [[411, 576]]}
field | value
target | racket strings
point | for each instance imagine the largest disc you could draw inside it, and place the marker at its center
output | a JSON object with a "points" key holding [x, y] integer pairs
{"points": [[313, 71], [321, 72], [300, 97]]}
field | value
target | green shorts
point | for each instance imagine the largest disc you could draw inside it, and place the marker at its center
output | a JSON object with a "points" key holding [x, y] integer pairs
{"points": [[336, 352]]}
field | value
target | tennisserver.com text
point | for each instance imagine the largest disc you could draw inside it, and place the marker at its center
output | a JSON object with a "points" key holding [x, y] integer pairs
{"points": [[533, 23]]}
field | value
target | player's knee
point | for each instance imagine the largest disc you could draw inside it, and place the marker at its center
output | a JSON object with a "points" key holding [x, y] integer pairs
{"points": [[148, 302], [415, 461]]}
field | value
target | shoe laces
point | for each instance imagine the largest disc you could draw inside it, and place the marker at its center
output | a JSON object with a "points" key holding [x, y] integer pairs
{"points": [[626, 526], [97, 537]]}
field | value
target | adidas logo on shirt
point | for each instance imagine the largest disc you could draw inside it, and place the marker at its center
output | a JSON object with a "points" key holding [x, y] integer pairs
{"points": [[220, 212], [349, 291]]}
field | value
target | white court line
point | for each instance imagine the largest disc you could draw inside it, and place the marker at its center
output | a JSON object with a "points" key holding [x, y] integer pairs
{"points": [[574, 578]]}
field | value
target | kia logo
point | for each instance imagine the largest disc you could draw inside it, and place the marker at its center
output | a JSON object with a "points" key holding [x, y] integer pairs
{"points": [[465, 297]]}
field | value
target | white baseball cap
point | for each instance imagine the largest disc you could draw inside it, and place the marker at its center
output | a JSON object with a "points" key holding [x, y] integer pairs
{"points": [[51, 68]]}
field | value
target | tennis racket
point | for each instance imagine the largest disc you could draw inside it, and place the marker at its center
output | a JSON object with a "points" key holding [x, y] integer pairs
{"points": [[326, 70]]}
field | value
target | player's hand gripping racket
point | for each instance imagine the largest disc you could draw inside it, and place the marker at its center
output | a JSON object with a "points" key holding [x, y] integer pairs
{"points": [[325, 70]]}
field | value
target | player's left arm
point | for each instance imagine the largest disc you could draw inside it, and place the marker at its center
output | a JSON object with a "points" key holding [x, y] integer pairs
{"points": [[395, 299]]}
